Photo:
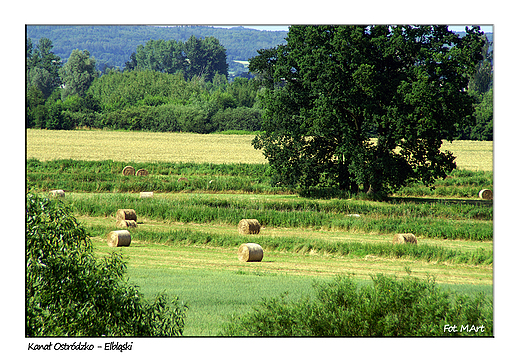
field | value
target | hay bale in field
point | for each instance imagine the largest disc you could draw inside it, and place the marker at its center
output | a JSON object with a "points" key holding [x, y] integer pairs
{"points": [[144, 195], [182, 179], [57, 193], [404, 238], [141, 172], [128, 171], [126, 214], [250, 252], [248, 226], [486, 194], [119, 238], [126, 224]]}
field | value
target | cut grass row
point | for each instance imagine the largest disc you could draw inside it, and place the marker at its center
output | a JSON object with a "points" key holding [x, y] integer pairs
{"points": [[105, 176], [432, 220]]}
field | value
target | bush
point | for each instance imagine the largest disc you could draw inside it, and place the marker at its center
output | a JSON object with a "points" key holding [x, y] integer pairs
{"points": [[71, 293], [388, 307], [241, 118]]}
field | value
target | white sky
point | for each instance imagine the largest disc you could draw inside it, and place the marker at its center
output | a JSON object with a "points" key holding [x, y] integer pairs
{"points": [[484, 28]]}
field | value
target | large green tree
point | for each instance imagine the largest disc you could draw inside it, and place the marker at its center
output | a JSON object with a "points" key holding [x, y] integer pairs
{"points": [[347, 106], [78, 73], [197, 57], [42, 66]]}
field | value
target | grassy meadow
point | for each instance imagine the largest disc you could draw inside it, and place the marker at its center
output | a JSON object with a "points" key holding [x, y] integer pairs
{"points": [[186, 240]]}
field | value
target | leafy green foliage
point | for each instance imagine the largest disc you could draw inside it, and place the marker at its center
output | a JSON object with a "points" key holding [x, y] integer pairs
{"points": [[333, 88], [71, 293], [194, 58], [78, 73], [389, 307], [42, 66]]}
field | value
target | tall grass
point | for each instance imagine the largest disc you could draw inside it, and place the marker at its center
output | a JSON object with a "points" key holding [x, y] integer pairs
{"points": [[105, 176], [437, 220]]}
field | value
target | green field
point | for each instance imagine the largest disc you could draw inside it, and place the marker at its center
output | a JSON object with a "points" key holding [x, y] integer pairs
{"points": [[186, 240]]}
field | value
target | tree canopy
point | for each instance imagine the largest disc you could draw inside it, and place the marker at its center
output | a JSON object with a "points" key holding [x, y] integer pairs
{"points": [[78, 73], [194, 58], [352, 106]]}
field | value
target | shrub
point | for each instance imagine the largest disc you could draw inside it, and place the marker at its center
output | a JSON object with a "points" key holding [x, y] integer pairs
{"points": [[241, 118], [387, 307], [71, 293]]}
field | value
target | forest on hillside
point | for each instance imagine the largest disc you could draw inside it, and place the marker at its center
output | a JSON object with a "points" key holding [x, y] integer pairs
{"points": [[112, 45]]}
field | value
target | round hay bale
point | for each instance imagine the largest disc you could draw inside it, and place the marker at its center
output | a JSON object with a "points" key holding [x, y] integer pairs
{"points": [[128, 171], [126, 224], [126, 214], [248, 226], [182, 179], [141, 172], [486, 194], [57, 193], [145, 195], [250, 252], [404, 238], [119, 238]]}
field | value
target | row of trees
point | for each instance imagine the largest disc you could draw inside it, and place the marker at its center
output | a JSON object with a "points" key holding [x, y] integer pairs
{"points": [[166, 86], [182, 86]]}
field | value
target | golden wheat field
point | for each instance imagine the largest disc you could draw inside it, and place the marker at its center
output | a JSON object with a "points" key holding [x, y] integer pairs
{"points": [[141, 146]]}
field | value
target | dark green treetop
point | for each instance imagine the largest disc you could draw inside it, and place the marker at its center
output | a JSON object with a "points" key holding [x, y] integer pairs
{"points": [[364, 105]]}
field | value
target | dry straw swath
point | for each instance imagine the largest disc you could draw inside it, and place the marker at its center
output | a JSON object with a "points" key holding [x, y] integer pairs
{"points": [[248, 226], [141, 172], [250, 252], [119, 238], [57, 193], [145, 195], [486, 194], [126, 224], [126, 214], [128, 171], [404, 238]]}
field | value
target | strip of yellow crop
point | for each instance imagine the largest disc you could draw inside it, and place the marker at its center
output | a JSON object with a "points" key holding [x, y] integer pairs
{"points": [[141, 146], [187, 147], [471, 155]]}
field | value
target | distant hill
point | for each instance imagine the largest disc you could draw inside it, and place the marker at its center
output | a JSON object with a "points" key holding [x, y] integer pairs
{"points": [[112, 45]]}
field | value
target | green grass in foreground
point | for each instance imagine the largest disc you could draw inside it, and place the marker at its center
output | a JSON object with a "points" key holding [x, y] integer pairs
{"points": [[213, 296]]}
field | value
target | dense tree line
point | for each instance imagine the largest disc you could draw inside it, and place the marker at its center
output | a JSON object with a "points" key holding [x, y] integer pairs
{"points": [[159, 90], [148, 96], [113, 45]]}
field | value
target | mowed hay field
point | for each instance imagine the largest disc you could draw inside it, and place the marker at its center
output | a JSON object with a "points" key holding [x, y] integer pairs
{"points": [[186, 240]]}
